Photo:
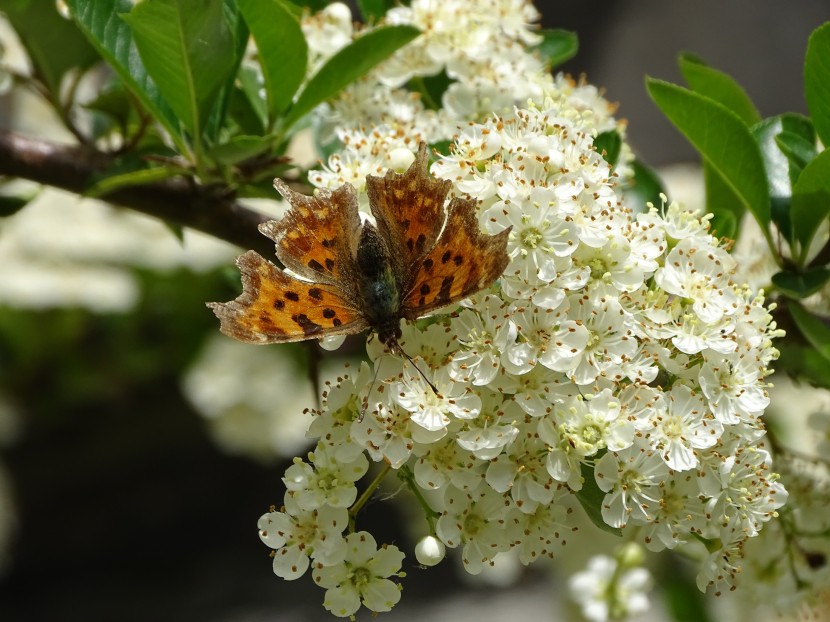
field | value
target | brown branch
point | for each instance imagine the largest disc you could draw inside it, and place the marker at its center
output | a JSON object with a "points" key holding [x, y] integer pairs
{"points": [[177, 200]]}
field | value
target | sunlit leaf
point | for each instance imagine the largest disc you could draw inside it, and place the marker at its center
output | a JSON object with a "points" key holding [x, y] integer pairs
{"points": [[349, 64], [718, 86], [99, 20], [810, 203], [282, 50], [817, 80], [558, 46], [188, 48], [724, 141]]}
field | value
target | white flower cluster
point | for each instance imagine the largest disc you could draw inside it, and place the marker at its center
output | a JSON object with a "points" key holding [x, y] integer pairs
{"points": [[616, 353], [616, 357], [480, 46], [612, 588]]}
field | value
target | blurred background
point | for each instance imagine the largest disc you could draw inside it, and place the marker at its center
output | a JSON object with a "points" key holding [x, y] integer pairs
{"points": [[138, 446]]}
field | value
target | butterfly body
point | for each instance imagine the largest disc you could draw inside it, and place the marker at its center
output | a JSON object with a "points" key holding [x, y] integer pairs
{"points": [[343, 276], [378, 286]]}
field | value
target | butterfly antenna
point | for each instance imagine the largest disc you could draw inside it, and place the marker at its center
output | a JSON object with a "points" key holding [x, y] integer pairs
{"points": [[423, 375], [366, 401]]}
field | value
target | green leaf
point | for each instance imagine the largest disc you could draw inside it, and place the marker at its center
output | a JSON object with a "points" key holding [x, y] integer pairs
{"points": [[817, 80], [814, 329], [99, 21], [374, 10], [215, 123], [608, 144], [804, 363], [798, 151], [683, 601], [251, 85], [722, 202], [557, 46], [645, 187], [283, 52], [133, 178], [17, 195], [798, 285], [52, 42], [112, 100], [188, 48], [718, 86], [591, 499], [239, 148], [431, 88], [810, 203], [723, 140], [347, 65]]}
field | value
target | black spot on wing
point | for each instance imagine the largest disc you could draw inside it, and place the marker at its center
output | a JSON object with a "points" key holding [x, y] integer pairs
{"points": [[328, 313], [279, 305], [446, 257], [315, 265], [329, 264], [309, 327], [446, 286], [292, 296], [315, 293]]}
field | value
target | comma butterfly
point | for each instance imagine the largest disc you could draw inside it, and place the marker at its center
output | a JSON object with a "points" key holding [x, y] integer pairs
{"points": [[351, 275]]}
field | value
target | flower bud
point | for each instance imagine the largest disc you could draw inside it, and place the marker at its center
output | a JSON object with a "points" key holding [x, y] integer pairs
{"points": [[429, 551]]}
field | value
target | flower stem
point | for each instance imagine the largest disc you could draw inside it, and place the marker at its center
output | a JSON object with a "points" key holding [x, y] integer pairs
{"points": [[408, 477], [370, 489]]}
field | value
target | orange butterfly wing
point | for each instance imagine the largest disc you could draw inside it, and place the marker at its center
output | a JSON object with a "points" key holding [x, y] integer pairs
{"points": [[409, 210], [277, 308], [463, 261], [314, 240]]}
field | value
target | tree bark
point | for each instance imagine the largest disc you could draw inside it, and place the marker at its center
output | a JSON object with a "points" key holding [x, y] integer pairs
{"points": [[178, 200]]}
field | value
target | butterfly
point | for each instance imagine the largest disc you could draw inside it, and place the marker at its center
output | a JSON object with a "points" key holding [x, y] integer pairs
{"points": [[347, 275]]}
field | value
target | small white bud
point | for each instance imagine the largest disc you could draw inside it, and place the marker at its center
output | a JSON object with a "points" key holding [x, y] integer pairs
{"points": [[400, 159], [429, 551]]}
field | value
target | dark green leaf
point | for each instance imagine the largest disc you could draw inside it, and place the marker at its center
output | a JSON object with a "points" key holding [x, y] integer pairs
{"points": [[239, 148], [723, 140], [803, 363], [315, 5], [216, 120], [557, 46], [814, 328], [777, 171], [283, 53], [719, 87], [797, 150], [683, 600], [12, 202], [811, 201], [591, 498], [251, 83], [800, 285], [817, 80], [373, 10], [99, 20], [645, 187], [112, 100], [442, 147], [609, 144], [349, 64], [722, 202], [431, 88], [188, 48], [53, 43]]}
